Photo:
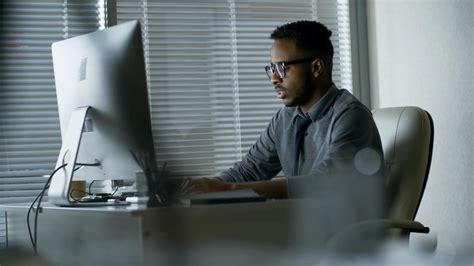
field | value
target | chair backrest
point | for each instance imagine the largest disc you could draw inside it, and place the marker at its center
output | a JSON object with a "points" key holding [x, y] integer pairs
{"points": [[407, 140]]}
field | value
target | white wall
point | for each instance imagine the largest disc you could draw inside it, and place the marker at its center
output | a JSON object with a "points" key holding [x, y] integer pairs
{"points": [[421, 53]]}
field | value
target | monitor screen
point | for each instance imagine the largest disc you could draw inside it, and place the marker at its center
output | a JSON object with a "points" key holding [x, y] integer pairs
{"points": [[103, 108]]}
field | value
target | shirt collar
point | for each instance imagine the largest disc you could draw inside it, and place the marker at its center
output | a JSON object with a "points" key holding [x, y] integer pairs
{"points": [[319, 107]]}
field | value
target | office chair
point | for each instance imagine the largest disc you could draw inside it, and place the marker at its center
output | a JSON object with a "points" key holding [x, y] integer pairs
{"points": [[407, 141]]}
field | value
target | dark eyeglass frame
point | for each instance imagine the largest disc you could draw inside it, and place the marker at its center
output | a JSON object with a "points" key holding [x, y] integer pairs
{"points": [[280, 67]]}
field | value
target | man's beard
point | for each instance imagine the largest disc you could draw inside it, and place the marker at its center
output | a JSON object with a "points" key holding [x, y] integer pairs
{"points": [[307, 95]]}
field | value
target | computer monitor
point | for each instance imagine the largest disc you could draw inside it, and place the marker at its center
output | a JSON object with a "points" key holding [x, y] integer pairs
{"points": [[103, 110]]}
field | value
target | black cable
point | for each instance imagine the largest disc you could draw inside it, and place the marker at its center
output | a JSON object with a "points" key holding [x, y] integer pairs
{"points": [[79, 190], [86, 164], [90, 186], [39, 198], [28, 221]]}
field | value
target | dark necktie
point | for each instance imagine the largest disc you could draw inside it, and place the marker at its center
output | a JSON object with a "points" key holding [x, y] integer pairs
{"points": [[302, 123]]}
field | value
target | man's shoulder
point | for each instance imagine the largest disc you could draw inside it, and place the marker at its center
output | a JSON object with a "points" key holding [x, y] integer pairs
{"points": [[347, 101]]}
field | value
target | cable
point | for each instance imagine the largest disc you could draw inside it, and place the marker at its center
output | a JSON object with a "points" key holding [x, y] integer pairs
{"points": [[92, 182], [79, 190], [85, 164], [102, 195], [88, 164], [39, 198], [90, 186]]}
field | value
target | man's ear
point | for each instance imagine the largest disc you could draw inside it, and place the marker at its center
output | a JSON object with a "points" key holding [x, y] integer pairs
{"points": [[318, 67]]}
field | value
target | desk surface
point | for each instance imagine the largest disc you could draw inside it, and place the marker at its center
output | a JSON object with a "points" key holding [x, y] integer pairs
{"points": [[264, 233], [134, 209], [125, 235]]}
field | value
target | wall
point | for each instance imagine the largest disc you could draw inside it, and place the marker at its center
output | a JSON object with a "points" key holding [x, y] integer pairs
{"points": [[421, 53]]}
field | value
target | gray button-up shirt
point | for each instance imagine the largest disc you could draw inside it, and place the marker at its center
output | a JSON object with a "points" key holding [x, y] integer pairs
{"points": [[342, 129]]}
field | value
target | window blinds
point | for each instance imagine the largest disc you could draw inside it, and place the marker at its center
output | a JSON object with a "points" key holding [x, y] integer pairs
{"points": [[29, 125], [209, 95]]}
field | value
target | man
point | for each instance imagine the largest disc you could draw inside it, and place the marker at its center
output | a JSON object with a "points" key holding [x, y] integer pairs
{"points": [[323, 133]]}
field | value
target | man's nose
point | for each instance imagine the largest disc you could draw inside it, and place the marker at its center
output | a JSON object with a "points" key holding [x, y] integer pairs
{"points": [[275, 78]]}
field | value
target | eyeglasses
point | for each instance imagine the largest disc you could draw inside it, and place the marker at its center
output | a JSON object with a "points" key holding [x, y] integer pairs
{"points": [[280, 67]]}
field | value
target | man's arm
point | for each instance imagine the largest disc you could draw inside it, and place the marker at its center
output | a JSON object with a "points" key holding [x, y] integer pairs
{"points": [[255, 170], [275, 188], [261, 162]]}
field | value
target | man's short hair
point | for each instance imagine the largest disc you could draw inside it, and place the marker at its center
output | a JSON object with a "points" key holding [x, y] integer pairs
{"points": [[311, 36]]}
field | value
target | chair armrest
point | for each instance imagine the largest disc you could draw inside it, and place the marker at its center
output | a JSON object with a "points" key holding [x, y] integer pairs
{"points": [[367, 235], [407, 225]]}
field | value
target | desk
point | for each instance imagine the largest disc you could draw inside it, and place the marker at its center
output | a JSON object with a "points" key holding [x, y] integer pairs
{"points": [[265, 233], [136, 235]]}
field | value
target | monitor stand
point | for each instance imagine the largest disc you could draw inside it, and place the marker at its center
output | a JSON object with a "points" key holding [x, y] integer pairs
{"points": [[60, 186]]}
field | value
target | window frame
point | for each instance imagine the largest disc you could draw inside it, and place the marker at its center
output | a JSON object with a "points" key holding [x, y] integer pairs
{"points": [[360, 51]]}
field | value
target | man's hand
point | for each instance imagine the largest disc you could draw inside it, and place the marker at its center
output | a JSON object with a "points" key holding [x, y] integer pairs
{"points": [[275, 188], [204, 185]]}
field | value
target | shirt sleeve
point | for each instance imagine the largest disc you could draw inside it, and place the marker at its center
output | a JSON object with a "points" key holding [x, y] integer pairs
{"points": [[354, 151], [261, 162]]}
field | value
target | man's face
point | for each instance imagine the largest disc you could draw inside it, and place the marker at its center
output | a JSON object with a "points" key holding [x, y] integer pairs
{"points": [[296, 88]]}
